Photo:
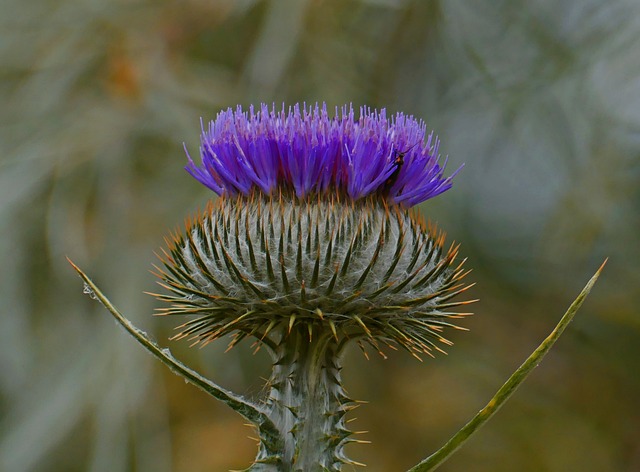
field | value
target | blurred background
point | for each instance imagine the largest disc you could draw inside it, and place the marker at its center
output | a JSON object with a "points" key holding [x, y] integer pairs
{"points": [[540, 100]]}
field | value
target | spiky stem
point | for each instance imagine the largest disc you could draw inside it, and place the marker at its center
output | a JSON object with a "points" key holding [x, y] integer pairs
{"points": [[307, 402]]}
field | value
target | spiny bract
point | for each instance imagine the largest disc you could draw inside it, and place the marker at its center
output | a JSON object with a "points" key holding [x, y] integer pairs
{"points": [[259, 265]]}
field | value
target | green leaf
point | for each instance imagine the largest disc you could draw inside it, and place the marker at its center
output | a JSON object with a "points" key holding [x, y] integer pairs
{"points": [[244, 407], [504, 393]]}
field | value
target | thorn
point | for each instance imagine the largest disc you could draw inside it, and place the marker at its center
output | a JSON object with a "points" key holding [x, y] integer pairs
{"points": [[269, 328], [598, 271], [303, 292], [359, 441], [364, 326], [363, 350], [333, 329]]}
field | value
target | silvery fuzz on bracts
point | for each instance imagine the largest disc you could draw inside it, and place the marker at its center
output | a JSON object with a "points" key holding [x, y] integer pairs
{"points": [[312, 244]]}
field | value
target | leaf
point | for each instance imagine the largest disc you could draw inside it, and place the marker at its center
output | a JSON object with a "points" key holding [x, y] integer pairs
{"points": [[504, 393], [244, 407]]}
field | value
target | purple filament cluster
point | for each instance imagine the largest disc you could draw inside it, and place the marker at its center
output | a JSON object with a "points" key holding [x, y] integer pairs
{"points": [[305, 149]]}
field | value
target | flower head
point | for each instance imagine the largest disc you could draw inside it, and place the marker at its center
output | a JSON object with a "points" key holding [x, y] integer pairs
{"points": [[306, 150], [312, 234], [264, 266]]}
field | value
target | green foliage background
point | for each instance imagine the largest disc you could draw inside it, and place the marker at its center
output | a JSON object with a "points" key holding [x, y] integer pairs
{"points": [[540, 100]]}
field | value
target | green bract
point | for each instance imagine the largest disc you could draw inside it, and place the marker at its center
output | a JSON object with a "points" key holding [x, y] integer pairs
{"points": [[263, 266]]}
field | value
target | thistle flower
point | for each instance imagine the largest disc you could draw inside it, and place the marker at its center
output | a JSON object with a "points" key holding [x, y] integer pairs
{"points": [[311, 153], [312, 244]]}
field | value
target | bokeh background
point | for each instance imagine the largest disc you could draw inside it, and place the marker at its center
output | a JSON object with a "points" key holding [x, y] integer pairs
{"points": [[539, 99]]}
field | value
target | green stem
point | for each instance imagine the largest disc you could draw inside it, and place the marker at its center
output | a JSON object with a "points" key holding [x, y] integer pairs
{"points": [[307, 402], [510, 386], [271, 441]]}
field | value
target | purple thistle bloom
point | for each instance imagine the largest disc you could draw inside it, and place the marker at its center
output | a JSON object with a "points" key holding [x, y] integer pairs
{"points": [[310, 152], [287, 258]]}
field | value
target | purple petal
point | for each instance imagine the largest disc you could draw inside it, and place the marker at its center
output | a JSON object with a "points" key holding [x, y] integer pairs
{"points": [[305, 149]]}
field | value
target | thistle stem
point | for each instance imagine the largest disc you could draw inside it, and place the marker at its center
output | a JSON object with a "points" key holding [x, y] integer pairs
{"points": [[307, 402]]}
